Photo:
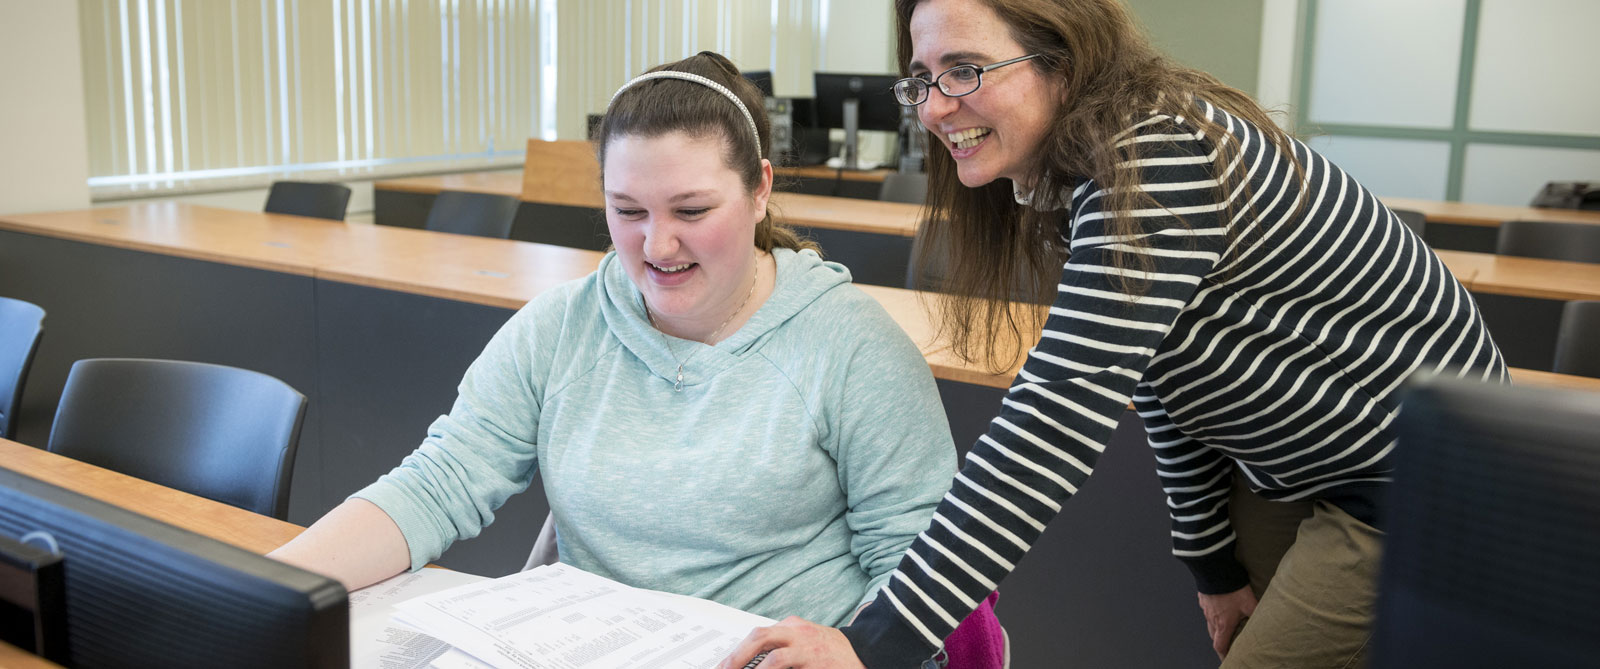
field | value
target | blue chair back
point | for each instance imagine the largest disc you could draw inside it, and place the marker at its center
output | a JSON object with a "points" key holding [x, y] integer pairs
{"points": [[304, 198], [479, 214], [223, 433], [21, 324], [1576, 242]]}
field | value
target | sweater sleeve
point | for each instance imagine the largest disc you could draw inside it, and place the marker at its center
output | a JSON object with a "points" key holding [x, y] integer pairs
{"points": [[891, 442], [478, 455], [1197, 480], [1062, 408]]}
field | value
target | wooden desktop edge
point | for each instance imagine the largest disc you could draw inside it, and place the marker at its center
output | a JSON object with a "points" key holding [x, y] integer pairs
{"points": [[1453, 213], [914, 319]]}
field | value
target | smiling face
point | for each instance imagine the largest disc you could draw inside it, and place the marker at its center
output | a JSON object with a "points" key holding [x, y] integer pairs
{"points": [[684, 227], [993, 132]]}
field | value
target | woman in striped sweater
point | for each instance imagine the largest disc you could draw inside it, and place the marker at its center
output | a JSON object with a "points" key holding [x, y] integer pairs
{"points": [[1258, 306]]}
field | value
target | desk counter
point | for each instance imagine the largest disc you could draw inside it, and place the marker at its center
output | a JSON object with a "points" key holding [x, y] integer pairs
{"points": [[1488, 215], [1524, 277], [251, 531], [1455, 213], [383, 322], [813, 211]]}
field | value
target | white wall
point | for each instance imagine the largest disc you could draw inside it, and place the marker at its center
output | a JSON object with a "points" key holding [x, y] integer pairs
{"points": [[44, 163], [1280, 44], [1397, 66], [860, 37]]}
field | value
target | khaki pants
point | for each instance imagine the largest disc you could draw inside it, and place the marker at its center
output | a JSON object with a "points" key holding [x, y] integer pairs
{"points": [[1314, 569]]}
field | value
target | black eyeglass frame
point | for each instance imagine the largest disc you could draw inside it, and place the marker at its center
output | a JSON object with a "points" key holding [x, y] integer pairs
{"points": [[926, 85]]}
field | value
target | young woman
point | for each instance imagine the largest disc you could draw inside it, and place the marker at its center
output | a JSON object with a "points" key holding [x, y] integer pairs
{"points": [[1259, 307], [714, 412]]}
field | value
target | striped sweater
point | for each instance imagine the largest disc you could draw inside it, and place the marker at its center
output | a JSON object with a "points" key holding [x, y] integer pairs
{"points": [[1269, 343]]}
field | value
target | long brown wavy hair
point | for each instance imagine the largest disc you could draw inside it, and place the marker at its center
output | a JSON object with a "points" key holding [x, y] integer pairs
{"points": [[991, 250], [660, 106]]}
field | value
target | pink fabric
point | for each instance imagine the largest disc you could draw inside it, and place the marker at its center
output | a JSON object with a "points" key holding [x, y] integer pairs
{"points": [[977, 643]]}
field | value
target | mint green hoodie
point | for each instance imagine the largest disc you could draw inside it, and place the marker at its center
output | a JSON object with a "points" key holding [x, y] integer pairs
{"points": [[803, 455]]}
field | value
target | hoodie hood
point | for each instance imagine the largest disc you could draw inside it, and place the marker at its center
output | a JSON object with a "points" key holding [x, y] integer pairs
{"points": [[802, 278]]}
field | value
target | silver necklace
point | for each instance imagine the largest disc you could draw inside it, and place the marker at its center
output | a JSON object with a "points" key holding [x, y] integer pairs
{"points": [[711, 340]]}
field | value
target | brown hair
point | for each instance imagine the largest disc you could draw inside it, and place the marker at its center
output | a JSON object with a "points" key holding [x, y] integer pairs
{"points": [[990, 249], [659, 106]]}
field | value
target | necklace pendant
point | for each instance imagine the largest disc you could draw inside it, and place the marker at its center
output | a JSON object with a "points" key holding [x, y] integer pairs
{"points": [[678, 386]]}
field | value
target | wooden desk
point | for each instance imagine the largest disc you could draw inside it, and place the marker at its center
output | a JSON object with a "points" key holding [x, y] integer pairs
{"points": [[824, 172], [251, 531], [393, 316], [498, 183], [902, 218], [1524, 277], [1488, 215], [465, 268], [812, 211], [12, 657], [279, 243]]}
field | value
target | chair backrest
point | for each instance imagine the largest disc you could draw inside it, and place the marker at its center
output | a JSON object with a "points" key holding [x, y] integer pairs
{"points": [[219, 432], [908, 187], [480, 214], [1578, 344], [1413, 219], [21, 323], [1578, 242], [304, 198], [1493, 529]]}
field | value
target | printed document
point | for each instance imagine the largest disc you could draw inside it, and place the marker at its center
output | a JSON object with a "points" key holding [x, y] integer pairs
{"points": [[560, 617], [376, 641]]}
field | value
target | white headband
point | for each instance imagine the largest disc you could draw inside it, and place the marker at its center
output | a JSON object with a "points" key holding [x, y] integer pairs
{"points": [[685, 76]]}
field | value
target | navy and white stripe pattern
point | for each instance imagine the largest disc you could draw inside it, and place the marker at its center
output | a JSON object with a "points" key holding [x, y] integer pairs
{"points": [[1268, 343]]}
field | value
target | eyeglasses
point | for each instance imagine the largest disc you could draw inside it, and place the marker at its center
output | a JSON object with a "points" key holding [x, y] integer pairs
{"points": [[954, 82]]}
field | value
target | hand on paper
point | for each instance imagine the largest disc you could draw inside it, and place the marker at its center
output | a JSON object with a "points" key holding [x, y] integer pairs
{"points": [[795, 643]]}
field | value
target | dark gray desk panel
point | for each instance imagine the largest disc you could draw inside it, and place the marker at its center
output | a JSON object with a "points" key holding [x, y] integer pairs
{"points": [[561, 225], [873, 258], [1524, 328], [102, 301], [1457, 237], [836, 187], [1100, 588], [389, 365]]}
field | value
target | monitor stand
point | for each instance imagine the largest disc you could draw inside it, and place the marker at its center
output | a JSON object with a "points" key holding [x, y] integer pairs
{"points": [[912, 141], [852, 133]]}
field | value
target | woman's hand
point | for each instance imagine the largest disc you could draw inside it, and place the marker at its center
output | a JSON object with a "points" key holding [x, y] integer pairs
{"points": [[1224, 615], [794, 643]]}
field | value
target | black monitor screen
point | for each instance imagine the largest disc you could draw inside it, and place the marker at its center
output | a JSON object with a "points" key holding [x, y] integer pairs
{"points": [[762, 79], [878, 108], [1493, 526], [142, 593]]}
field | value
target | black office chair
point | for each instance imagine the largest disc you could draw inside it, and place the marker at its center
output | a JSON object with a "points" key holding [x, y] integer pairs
{"points": [[1577, 242], [219, 432], [304, 198], [907, 187], [21, 323], [1415, 220], [480, 214], [1578, 344], [1493, 530]]}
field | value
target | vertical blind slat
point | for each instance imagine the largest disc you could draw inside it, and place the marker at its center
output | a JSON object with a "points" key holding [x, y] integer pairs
{"points": [[193, 88]]}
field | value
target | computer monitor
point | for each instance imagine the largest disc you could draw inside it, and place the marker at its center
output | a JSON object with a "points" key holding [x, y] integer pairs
{"points": [[856, 102], [1493, 530], [140, 592], [762, 79]]}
